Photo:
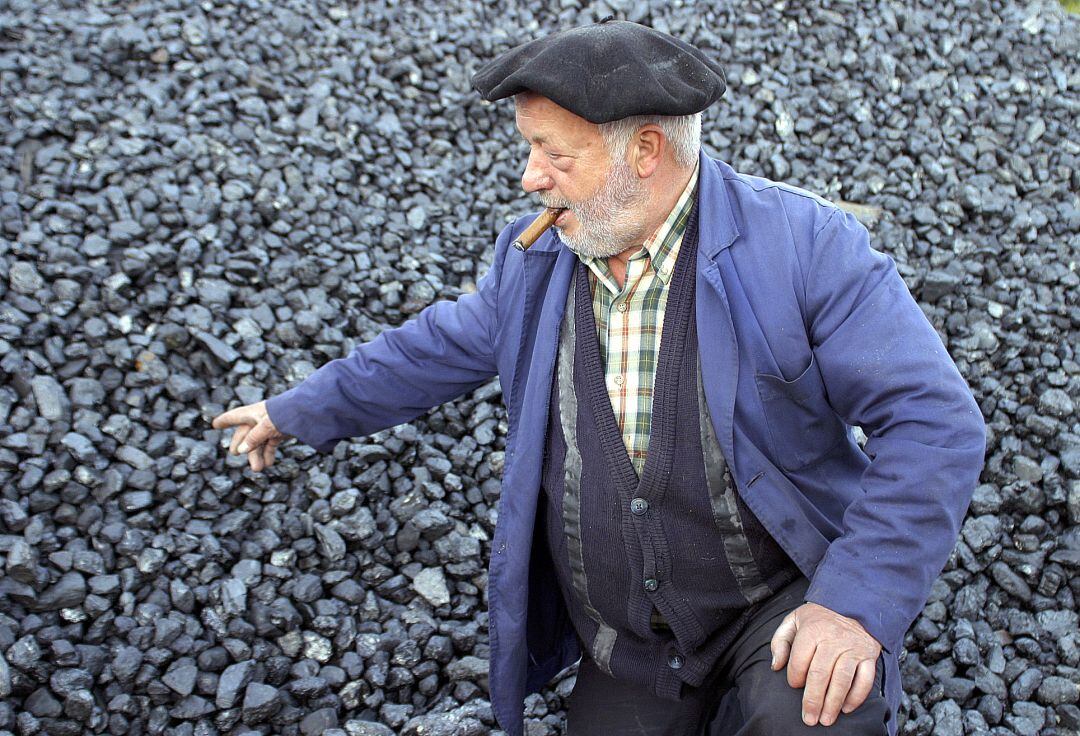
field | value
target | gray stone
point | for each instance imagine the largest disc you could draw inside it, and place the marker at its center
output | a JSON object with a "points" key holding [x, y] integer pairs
{"points": [[356, 727], [331, 544], [67, 680], [23, 278], [181, 678], [1025, 685], [184, 389], [318, 721], [981, 532], [948, 720], [431, 584], [80, 447], [79, 705], [431, 725], [988, 682], [307, 588], [191, 708], [224, 352], [937, 284], [468, 668], [51, 399], [67, 592], [1027, 469], [126, 662], [1010, 582], [1058, 403], [76, 74], [317, 647], [234, 596], [134, 457], [87, 393], [43, 704], [248, 571], [24, 654], [1056, 690], [349, 591], [417, 218], [22, 562], [1027, 719], [261, 702], [235, 678]]}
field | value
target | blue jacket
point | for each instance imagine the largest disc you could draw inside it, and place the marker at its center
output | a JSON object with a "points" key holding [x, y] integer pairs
{"points": [[804, 331]]}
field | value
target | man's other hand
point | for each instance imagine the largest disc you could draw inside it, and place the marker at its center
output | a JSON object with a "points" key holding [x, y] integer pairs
{"points": [[255, 434], [831, 656]]}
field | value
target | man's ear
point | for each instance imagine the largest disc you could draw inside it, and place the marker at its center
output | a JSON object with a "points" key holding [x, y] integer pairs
{"points": [[647, 149]]}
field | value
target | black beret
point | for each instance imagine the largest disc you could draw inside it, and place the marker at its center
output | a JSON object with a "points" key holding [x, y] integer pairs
{"points": [[607, 71]]}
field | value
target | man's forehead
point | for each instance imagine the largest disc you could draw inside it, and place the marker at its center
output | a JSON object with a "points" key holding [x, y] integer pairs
{"points": [[534, 108]]}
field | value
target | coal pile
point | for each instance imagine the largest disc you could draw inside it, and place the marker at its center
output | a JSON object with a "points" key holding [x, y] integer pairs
{"points": [[201, 203]]}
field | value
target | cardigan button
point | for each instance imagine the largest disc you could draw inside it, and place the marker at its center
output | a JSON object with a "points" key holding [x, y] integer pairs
{"points": [[675, 661], [639, 506], [651, 584]]}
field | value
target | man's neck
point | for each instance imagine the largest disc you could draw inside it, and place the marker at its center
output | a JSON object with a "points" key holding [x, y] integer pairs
{"points": [[666, 194]]}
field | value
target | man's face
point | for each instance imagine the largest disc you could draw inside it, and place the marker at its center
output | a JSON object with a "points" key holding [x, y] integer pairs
{"points": [[569, 167]]}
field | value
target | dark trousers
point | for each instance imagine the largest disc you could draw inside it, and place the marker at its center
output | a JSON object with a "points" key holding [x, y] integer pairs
{"points": [[741, 697]]}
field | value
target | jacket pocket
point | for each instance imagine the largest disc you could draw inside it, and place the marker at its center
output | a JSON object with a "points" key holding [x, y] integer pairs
{"points": [[801, 424]]}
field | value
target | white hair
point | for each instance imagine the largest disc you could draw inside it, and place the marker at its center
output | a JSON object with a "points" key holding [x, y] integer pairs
{"points": [[683, 133]]}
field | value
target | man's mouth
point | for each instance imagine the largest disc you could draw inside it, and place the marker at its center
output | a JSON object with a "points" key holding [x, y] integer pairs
{"points": [[560, 221]]}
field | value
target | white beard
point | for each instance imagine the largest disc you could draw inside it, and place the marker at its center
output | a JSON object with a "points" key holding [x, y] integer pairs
{"points": [[611, 220]]}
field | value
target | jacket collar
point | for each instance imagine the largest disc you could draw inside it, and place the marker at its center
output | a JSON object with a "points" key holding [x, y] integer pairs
{"points": [[716, 222]]}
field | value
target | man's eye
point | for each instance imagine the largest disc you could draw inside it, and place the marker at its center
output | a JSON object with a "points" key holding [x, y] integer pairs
{"points": [[554, 156]]}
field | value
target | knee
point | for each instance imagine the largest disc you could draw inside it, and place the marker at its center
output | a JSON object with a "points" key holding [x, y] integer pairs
{"points": [[774, 707], [778, 712]]}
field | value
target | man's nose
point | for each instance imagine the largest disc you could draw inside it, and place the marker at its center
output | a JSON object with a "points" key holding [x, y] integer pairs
{"points": [[535, 178]]}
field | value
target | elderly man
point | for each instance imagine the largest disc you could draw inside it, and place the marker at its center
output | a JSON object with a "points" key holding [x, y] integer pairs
{"points": [[684, 505]]}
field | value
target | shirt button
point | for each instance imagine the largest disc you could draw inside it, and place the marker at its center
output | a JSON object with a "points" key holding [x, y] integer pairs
{"points": [[651, 584], [675, 661], [639, 506], [619, 380], [622, 307]]}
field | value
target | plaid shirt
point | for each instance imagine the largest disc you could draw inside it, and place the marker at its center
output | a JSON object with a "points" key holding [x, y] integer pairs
{"points": [[630, 321]]}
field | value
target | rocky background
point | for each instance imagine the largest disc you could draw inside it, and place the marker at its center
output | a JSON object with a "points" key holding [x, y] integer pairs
{"points": [[201, 203]]}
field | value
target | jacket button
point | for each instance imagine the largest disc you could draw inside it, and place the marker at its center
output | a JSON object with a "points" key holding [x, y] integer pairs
{"points": [[675, 661], [651, 584], [639, 506]]}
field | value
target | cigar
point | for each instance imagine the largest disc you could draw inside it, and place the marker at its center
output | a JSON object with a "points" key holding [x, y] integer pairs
{"points": [[536, 229]]}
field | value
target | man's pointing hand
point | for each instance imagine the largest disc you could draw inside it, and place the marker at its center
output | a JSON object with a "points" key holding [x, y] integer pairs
{"points": [[255, 434]]}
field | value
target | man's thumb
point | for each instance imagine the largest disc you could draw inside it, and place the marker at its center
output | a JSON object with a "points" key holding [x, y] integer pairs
{"points": [[781, 641]]}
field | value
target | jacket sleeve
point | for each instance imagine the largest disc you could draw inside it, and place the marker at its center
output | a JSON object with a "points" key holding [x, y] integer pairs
{"points": [[445, 351], [886, 370]]}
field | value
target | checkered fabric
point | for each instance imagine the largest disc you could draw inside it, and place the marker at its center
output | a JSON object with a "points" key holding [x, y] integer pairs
{"points": [[630, 322]]}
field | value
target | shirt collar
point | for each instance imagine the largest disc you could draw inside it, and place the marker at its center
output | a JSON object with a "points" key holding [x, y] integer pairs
{"points": [[661, 246]]}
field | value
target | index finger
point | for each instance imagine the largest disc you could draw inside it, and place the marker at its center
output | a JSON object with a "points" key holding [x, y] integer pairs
{"points": [[232, 417], [803, 650]]}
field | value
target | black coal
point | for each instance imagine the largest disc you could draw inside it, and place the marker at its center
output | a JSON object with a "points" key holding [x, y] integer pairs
{"points": [[201, 203]]}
